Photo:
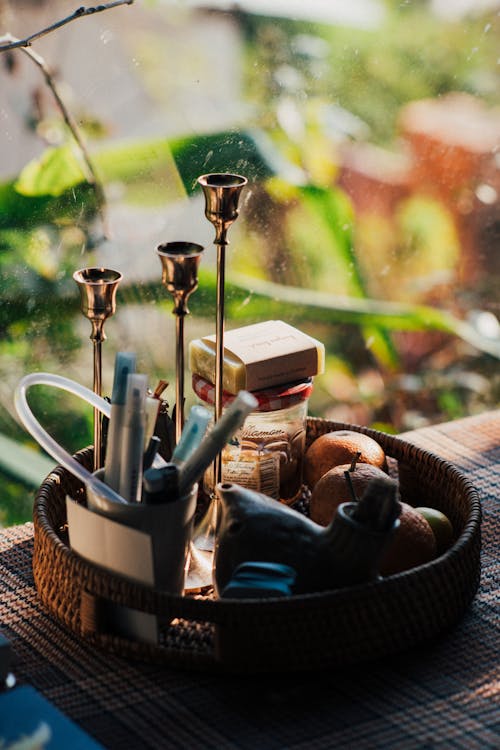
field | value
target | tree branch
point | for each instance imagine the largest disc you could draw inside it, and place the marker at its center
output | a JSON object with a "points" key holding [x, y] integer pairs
{"points": [[91, 175], [13, 43], [24, 45]]}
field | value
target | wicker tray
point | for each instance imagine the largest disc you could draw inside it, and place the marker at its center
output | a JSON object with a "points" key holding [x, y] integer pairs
{"points": [[329, 629]]}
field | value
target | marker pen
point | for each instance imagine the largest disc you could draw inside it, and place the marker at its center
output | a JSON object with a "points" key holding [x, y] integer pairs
{"points": [[214, 442], [150, 452], [192, 434], [132, 449], [125, 363], [161, 485]]}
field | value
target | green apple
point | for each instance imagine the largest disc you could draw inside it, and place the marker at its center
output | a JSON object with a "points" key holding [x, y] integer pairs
{"points": [[441, 527]]}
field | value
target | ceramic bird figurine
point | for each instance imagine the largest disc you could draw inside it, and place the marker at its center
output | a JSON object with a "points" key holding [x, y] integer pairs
{"points": [[254, 527]]}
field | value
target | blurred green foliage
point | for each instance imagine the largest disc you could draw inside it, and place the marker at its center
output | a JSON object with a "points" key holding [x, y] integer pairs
{"points": [[371, 73]]}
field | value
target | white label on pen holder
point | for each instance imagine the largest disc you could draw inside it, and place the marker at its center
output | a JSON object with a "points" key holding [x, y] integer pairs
{"points": [[146, 543], [122, 550], [111, 545]]}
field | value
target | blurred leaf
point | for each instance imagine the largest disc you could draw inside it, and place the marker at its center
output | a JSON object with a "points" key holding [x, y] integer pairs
{"points": [[16, 502], [21, 211], [334, 210], [380, 344], [137, 160], [26, 464], [51, 188], [248, 153], [451, 404], [57, 170]]}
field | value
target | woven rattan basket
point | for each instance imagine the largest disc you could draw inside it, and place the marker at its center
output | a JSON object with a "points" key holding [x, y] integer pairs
{"points": [[328, 629]]}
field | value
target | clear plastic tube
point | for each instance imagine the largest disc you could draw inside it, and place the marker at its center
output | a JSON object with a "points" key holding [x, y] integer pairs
{"points": [[47, 442]]}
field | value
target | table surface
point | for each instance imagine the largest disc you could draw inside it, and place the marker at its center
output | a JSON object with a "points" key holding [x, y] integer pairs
{"points": [[444, 695]]}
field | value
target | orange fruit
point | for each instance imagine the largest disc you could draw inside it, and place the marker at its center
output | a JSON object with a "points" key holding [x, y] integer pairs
{"points": [[332, 489], [441, 527], [337, 448], [412, 544]]}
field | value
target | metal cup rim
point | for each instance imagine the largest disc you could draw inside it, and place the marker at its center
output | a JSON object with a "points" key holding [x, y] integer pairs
{"points": [[81, 278], [226, 180]]}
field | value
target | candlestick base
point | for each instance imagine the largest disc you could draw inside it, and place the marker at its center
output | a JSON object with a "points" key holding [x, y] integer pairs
{"points": [[199, 571]]}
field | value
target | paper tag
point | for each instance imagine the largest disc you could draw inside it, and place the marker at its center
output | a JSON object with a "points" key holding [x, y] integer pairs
{"points": [[255, 470], [260, 341], [109, 544], [122, 550]]}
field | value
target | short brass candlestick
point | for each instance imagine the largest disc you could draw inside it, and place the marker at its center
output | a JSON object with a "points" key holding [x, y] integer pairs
{"points": [[180, 261], [222, 194], [98, 303]]}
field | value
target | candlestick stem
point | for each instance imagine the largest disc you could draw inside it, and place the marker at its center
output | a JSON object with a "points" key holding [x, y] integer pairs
{"points": [[97, 415], [179, 261], [98, 288], [179, 382], [222, 194], [219, 352]]}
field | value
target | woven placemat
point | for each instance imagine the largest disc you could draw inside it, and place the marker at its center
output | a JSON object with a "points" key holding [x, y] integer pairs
{"points": [[371, 620], [444, 695]]}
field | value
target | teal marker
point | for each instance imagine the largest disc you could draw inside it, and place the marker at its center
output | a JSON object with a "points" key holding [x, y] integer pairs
{"points": [[222, 431], [192, 434], [125, 364], [132, 442]]}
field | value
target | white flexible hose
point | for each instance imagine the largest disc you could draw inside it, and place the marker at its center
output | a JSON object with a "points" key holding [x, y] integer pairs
{"points": [[46, 441]]}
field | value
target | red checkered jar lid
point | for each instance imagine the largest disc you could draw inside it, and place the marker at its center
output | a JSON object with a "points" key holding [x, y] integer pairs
{"points": [[271, 399]]}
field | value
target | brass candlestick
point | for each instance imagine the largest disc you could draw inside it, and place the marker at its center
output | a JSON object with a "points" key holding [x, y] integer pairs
{"points": [[98, 303], [222, 193], [180, 261]]}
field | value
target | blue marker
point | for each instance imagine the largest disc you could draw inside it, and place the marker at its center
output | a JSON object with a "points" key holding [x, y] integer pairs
{"points": [[134, 425], [216, 439], [192, 434], [125, 363]]}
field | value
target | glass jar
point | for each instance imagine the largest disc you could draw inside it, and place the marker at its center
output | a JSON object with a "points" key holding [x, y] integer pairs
{"points": [[266, 454]]}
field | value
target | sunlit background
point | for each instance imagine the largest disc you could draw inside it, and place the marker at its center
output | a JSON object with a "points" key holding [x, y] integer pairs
{"points": [[370, 134]]}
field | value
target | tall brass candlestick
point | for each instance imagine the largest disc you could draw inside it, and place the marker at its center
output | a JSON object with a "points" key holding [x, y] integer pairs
{"points": [[222, 193], [98, 303], [180, 261]]}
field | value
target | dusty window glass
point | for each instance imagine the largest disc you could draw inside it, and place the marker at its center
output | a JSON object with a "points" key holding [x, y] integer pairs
{"points": [[369, 134]]}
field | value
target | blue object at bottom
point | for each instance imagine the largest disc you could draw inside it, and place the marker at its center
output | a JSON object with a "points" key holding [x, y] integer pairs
{"points": [[260, 579], [24, 714]]}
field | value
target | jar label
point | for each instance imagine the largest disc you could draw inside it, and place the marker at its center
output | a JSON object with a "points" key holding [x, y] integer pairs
{"points": [[257, 471]]}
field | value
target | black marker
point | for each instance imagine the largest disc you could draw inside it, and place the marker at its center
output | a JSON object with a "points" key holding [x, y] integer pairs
{"points": [[161, 485], [150, 452]]}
